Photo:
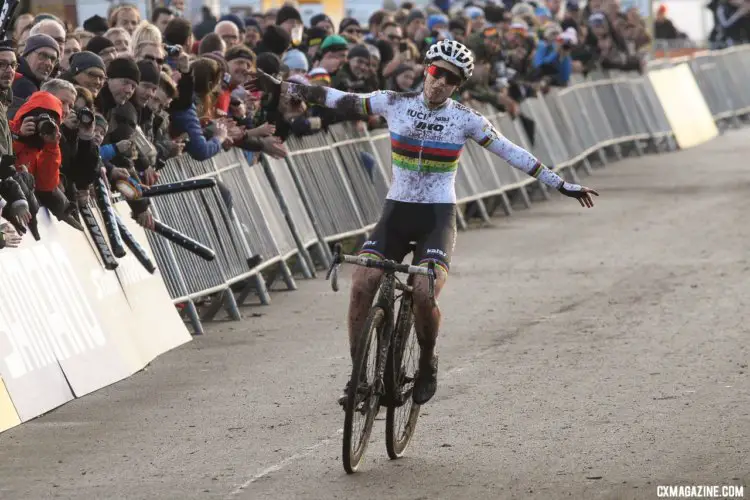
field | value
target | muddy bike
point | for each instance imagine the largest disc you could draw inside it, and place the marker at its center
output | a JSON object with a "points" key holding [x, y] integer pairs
{"points": [[385, 361]]}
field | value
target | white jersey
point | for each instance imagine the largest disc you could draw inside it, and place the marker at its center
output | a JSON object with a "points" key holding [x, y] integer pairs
{"points": [[427, 142]]}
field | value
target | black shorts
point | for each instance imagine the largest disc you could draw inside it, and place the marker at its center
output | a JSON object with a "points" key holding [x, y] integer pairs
{"points": [[431, 226]]}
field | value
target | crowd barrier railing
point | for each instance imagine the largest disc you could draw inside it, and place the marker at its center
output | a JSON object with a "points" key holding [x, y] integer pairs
{"points": [[324, 191], [68, 326]]}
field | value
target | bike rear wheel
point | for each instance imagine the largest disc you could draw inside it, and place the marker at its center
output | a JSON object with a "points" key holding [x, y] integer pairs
{"points": [[401, 417], [363, 401]]}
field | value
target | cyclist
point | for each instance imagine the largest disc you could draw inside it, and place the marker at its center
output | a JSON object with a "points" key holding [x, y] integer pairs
{"points": [[428, 131]]}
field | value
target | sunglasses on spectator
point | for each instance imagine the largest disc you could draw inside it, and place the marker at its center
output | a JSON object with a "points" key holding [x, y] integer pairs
{"points": [[353, 31], [450, 77], [395, 38]]}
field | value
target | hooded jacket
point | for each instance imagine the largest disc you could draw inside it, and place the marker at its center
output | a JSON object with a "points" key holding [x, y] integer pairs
{"points": [[42, 158]]}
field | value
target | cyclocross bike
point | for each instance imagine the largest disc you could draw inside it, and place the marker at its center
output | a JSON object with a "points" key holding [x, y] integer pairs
{"points": [[385, 361]]}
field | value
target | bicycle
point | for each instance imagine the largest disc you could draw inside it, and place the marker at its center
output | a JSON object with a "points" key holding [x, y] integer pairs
{"points": [[390, 379]]}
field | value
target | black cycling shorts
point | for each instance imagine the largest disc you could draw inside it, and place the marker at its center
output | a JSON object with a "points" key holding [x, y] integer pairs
{"points": [[431, 226]]}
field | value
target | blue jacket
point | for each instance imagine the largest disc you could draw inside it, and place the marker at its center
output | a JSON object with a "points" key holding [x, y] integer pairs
{"points": [[198, 147], [107, 152], [546, 55]]}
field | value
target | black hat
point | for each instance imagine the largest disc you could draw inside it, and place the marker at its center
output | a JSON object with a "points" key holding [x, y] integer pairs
{"points": [[123, 67], [149, 71], [415, 14], [359, 51], [346, 22], [81, 61], [286, 13], [98, 44], [96, 25], [318, 18], [269, 63], [276, 39], [315, 36], [7, 46], [457, 24]]}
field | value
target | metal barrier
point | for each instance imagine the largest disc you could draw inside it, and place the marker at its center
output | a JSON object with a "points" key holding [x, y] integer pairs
{"points": [[289, 211]]}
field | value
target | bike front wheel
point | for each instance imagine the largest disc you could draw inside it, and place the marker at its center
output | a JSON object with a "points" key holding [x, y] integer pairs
{"points": [[401, 417], [363, 401]]}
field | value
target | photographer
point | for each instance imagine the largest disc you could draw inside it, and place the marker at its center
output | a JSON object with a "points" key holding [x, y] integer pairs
{"points": [[552, 60], [36, 132], [80, 155]]}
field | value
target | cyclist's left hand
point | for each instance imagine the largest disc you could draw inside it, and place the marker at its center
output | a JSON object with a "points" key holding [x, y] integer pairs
{"points": [[581, 193]]}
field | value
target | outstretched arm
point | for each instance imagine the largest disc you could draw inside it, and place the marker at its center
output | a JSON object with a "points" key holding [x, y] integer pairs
{"points": [[485, 134], [352, 106]]}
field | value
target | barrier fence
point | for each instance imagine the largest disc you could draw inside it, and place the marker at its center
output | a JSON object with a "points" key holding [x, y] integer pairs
{"points": [[289, 211], [273, 220]]}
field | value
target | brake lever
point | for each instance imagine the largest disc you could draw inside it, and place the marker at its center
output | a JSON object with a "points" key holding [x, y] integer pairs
{"points": [[333, 271], [431, 282]]}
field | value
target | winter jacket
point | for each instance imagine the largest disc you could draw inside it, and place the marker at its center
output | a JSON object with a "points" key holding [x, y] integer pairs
{"points": [[186, 120], [24, 85], [6, 140], [43, 159]]}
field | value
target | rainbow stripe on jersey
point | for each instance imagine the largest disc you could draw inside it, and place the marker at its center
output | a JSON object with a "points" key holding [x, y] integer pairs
{"points": [[424, 156]]}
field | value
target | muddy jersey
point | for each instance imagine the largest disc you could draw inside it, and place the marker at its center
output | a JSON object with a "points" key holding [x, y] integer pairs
{"points": [[427, 142]]}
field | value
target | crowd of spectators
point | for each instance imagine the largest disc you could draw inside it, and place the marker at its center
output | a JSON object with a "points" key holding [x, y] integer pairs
{"points": [[163, 87]]}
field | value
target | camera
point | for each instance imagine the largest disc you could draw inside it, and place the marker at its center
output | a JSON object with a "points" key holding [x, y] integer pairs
{"points": [[403, 47], [45, 125], [567, 45], [85, 116], [172, 50]]}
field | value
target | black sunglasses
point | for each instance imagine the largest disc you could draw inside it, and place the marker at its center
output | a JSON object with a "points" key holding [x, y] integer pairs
{"points": [[450, 77], [157, 60]]}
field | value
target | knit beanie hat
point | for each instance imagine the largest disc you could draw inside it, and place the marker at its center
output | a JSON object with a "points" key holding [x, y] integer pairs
{"points": [[40, 41], [149, 72], [333, 43], [81, 61], [346, 22], [98, 44], [318, 18], [414, 15], [296, 59], [286, 13], [318, 76], [358, 51], [124, 68], [315, 36], [268, 63], [276, 39], [436, 19]]}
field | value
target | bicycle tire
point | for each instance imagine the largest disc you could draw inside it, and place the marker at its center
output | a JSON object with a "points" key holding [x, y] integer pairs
{"points": [[396, 442], [352, 458]]}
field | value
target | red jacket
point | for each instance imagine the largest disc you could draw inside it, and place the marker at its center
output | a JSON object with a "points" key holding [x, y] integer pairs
{"points": [[43, 159]]}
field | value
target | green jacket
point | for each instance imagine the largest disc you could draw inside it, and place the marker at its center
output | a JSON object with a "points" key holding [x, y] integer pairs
{"points": [[6, 140]]}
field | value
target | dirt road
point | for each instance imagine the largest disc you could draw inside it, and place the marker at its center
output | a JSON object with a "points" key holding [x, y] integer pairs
{"points": [[584, 354]]}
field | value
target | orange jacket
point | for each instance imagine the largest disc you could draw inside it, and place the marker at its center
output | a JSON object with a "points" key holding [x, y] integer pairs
{"points": [[43, 159]]}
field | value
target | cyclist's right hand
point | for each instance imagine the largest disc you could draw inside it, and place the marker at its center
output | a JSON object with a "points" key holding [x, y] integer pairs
{"points": [[260, 80]]}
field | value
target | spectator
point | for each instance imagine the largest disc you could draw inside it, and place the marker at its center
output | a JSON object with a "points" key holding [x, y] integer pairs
{"points": [[664, 29], [72, 46], [332, 54], [212, 43], [290, 20], [179, 32], [296, 61], [36, 65], [356, 75], [416, 26], [161, 17], [126, 17], [123, 77], [23, 22], [322, 21], [53, 29], [150, 51], [104, 48], [552, 57], [87, 70], [275, 40], [229, 32], [402, 79], [8, 65], [314, 39], [120, 38], [351, 30], [146, 33], [206, 26], [252, 33]]}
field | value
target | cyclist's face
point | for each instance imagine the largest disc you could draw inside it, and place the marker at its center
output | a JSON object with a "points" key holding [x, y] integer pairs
{"points": [[437, 89]]}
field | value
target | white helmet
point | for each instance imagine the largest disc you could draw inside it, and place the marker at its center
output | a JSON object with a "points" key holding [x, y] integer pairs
{"points": [[455, 53]]}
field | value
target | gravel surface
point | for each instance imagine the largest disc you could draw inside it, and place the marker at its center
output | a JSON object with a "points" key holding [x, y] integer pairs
{"points": [[584, 354]]}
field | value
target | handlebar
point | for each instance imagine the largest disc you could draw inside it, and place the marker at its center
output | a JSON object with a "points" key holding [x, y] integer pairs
{"points": [[387, 265]]}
